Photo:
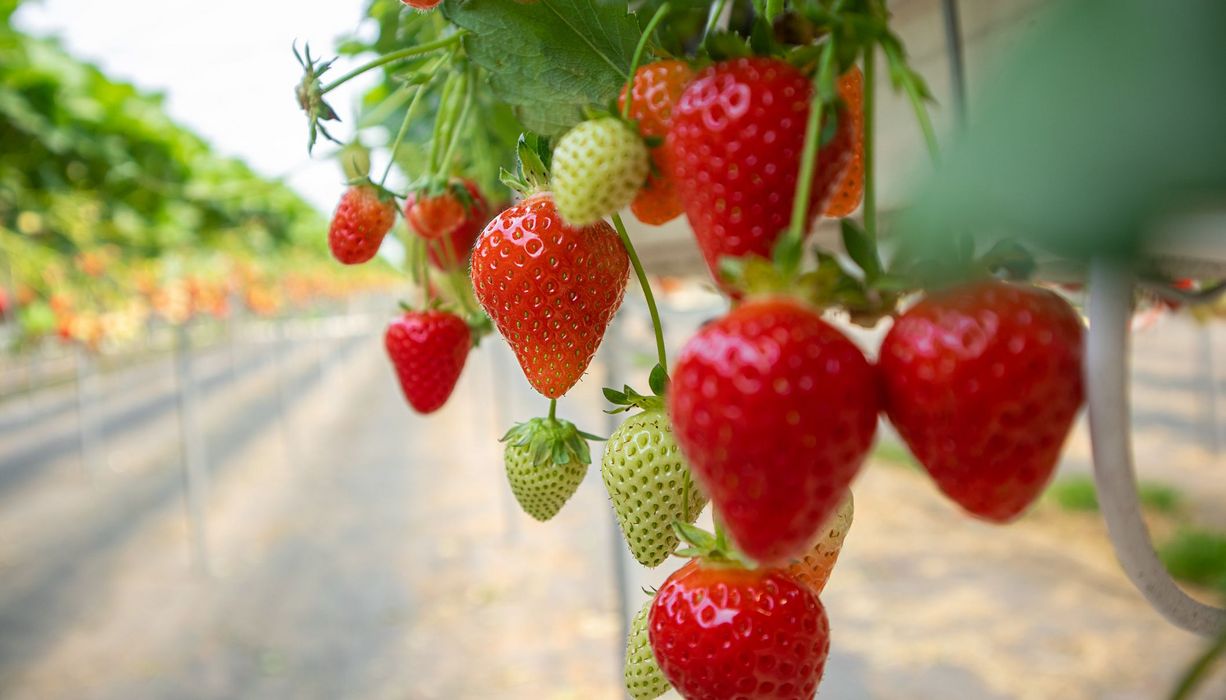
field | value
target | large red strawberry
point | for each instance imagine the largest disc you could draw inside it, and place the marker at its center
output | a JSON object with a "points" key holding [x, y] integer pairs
{"points": [[983, 382], [722, 631], [428, 350], [655, 90], [735, 144], [775, 411], [550, 288], [450, 251], [363, 217]]}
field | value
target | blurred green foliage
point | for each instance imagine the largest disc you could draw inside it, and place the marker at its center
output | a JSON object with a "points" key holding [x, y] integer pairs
{"points": [[1107, 119], [103, 197], [1196, 556], [1077, 493]]}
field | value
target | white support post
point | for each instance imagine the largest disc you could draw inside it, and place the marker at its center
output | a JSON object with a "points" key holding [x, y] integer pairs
{"points": [[1106, 366], [87, 424], [194, 451]]}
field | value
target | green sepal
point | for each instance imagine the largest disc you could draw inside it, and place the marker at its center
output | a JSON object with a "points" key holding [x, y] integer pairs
{"points": [[658, 381], [712, 549], [629, 398], [861, 248], [551, 441]]}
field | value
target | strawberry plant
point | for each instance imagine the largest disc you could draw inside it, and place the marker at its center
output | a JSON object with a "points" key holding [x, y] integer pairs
{"points": [[754, 119]]}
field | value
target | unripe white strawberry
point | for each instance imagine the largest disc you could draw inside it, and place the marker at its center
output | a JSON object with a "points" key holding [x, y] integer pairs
{"points": [[644, 679], [649, 485], [598, 168]]}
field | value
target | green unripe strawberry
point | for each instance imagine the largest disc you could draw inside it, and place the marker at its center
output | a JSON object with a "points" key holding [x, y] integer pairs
{"points": [[644, 679], [546, 459], [649, 484], [598, 168]]}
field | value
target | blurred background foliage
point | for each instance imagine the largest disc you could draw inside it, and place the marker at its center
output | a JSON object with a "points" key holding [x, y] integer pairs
{"points": [[111, 212]]}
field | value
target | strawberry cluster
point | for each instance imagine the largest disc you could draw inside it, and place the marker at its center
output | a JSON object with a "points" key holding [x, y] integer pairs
{"points": [[770, 411]]}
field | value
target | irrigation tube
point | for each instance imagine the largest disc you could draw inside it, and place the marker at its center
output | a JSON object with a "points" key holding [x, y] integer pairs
{"points": [[1107, 350]]}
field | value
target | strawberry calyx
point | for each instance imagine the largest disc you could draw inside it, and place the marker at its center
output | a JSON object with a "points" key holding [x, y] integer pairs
{"points": [[628, 398], [532, 165], [310, 94], [713, 550], [551, 440]]}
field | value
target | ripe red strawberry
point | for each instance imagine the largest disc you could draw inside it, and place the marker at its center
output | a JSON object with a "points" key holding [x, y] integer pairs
{"points": [[434, 216], [721, 631], [550, 288], [451, 250], [656, 89], [734, 146], [775, 411], [850, 191], [983, 383], [422, 5], [363, 217], [428, 350]]}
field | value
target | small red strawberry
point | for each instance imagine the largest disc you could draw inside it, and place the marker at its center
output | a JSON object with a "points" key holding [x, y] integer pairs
{"points": [[983, 382], [363, 217], [434, 216], [722, 631], [847, 195], [550, 288], [775, 411], [655, 90], [734, 147], [422, 5], [451, 250], [428, 350]]}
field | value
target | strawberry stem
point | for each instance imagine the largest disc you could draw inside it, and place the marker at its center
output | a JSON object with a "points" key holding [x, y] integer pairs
{"points": [[870, 174], [553, 409], [408, 119], [925, 122], [773, 8], [648, 296], [638, 56], [469, 96], [808, 161], [394, 56], [717, 10]]}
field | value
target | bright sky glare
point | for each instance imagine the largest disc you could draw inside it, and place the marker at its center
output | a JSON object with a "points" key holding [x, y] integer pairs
{"points": [[225, 67]]}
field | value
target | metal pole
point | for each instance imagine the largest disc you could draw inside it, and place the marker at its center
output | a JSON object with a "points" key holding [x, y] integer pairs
{"points": [[87, 431], [614, 350], [282, 352], [194, 451], [510, 509], [1211, 383], [957, 66]]}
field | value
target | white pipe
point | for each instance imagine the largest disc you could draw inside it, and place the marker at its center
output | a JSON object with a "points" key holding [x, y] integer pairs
{"points": [[1107, 350]]}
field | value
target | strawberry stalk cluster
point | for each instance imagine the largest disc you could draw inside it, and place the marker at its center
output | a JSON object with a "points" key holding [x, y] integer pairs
{"points": [[754, 134]]}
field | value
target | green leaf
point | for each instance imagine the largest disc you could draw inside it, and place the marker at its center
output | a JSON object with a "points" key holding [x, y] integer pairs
{"points": [[549, 58], [861, 248], [614, 396], [658, 380]]}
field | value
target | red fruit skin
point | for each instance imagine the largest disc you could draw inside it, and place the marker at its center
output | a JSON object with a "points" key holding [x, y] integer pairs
{"points": [[734, 149], [721, 633], [656, 88], [451, 250], [847, 196], [422, 5], [428, 350], [434, 217], [983, 383], [550, 288], [775, 411], [359, 224]]}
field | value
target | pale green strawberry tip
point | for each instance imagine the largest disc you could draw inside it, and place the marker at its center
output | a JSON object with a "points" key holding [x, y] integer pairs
{"points": [[649, 485], [598, 168], [644, 679]]}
